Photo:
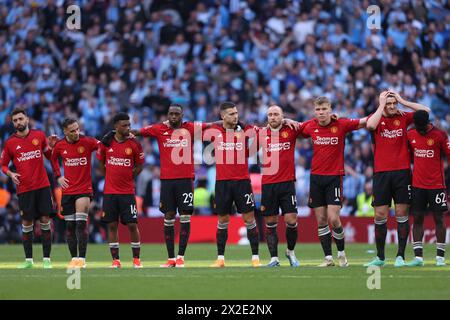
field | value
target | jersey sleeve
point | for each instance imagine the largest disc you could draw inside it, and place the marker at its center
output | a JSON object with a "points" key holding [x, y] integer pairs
{"points": [[409, 116], [5, 158], [101, 152], [45, 147], [350, 124], [303, 131], [149, 131], [94, 144], [445, 146], [138, 154], [54, 161]]}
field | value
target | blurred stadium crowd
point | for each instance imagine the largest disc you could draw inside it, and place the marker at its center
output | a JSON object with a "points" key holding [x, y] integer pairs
{"points": [[140, 56]]}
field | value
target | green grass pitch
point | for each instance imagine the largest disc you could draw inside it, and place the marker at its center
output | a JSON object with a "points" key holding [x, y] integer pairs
{"points": [[237, 281]]}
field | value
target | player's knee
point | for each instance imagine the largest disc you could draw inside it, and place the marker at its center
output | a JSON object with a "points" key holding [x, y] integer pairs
{"points": [[291, 225], [185, 218], [169, 215], [132, 227], [290, 219]]}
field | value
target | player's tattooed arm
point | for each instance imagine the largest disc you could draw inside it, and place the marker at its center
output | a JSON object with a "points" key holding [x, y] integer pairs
{"points": [[362, 123]]}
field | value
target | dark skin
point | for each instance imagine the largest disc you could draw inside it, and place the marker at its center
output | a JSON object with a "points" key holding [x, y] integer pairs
{"points": [[122, 128]]}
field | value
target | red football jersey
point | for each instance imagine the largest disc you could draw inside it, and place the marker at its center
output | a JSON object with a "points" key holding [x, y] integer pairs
{"points": [[328, 144], [175, 148], [278, 149], [120, 158], [76, 160], [428, 170], [26, 153], [390, 145], [231, 150]]}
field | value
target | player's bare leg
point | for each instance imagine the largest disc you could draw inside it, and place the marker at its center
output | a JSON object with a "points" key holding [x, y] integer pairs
{"points": [[169, 236], [338, 233], [113, 239], [185, 230], [135, 244], [27, 240], [81, 218], [417, 239], [401, 215], [221, 239], [291, 237], [440, 237], [46, 238], [272, 240], [324, 235], [253, 236], [380, 220]]}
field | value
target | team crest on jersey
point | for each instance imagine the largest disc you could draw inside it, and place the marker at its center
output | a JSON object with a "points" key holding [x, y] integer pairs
{"points": [[237, 135], [284, 134], [80, 149], [35, 141], [397, 123], [183, 132], [430, 142], [334, 129], [128, 151]]}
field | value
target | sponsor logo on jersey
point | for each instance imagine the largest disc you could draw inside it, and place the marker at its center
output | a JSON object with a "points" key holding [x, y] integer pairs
{"points": [[271, 147], [423, 153], [392, 134], [75, 162], [230, 146], [119, 162], [24, 156], [175, 143], [326, 140]]}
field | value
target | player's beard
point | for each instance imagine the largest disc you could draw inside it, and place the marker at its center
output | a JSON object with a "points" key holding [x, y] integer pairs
{"points": [[21, 128]]}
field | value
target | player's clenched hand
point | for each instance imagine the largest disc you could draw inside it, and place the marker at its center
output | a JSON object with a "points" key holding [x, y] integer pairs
{"points": [[63, 182], [14, 177], [52, 140]]}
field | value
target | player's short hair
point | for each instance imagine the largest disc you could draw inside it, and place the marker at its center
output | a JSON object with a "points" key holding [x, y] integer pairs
{"points": [[176, 105], [322, 100], [17, 111], [67, 122], [120, 116], [227, 105], [421, 119]]}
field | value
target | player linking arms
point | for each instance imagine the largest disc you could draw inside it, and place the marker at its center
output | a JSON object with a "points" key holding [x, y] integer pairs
{"points": [[427, 145], [121, 159], [392, 172], [75, 152]]}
